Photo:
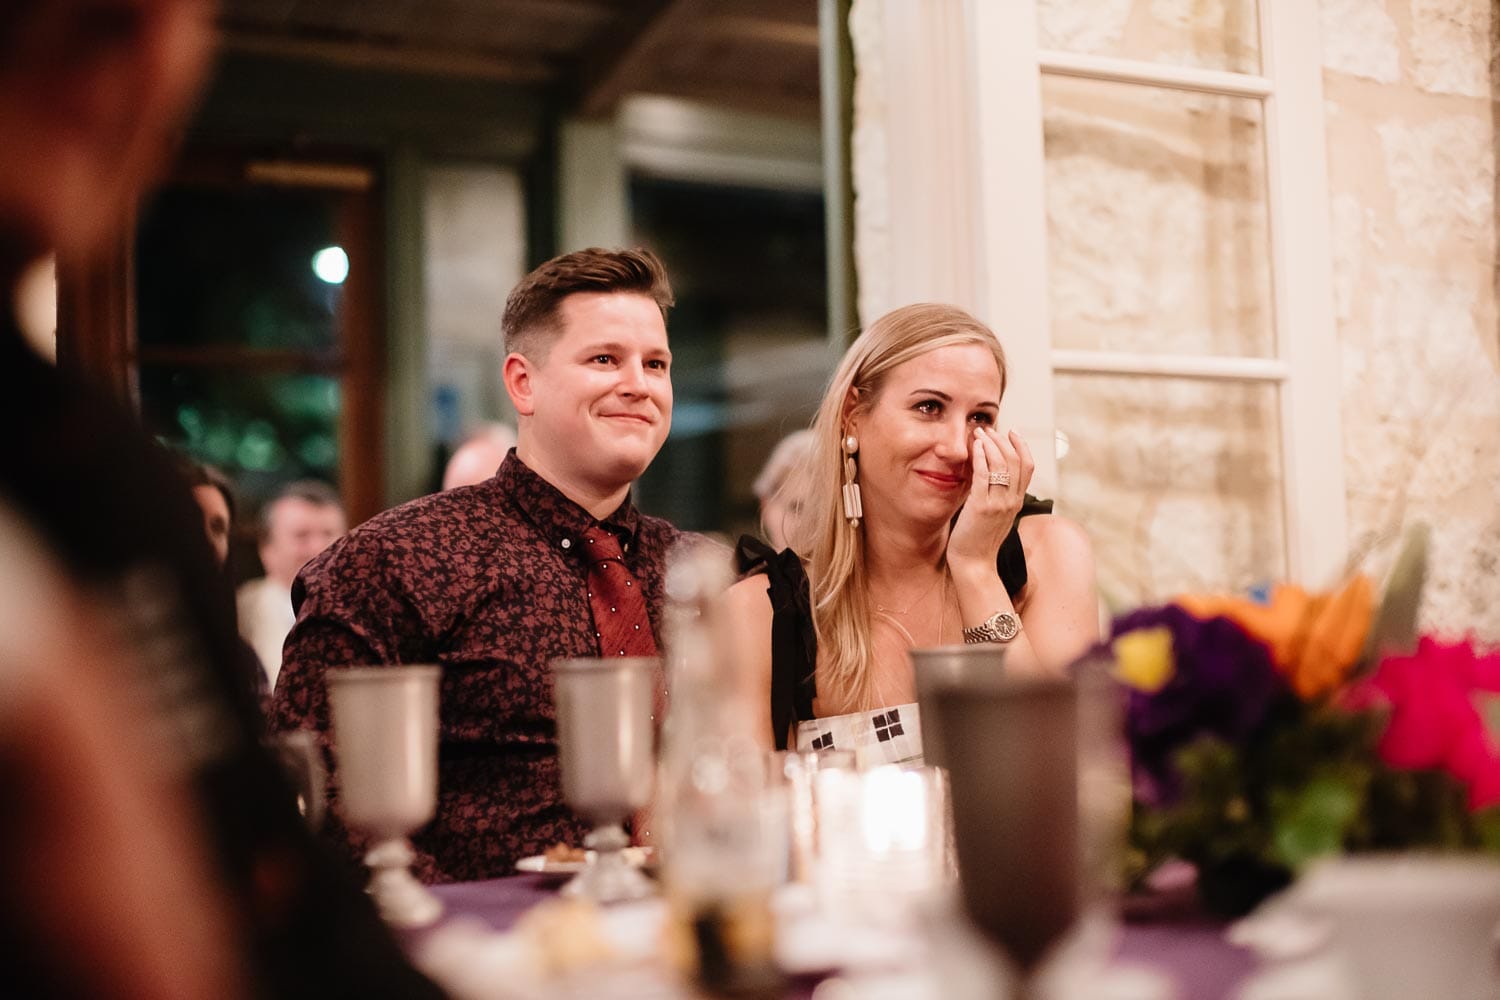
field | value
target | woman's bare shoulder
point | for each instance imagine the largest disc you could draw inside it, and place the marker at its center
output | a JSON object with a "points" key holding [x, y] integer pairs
{"points": [[1059, 555], [1053, 535], [749, 597]]}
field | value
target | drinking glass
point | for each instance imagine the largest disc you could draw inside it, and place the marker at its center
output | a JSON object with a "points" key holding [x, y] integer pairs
{"points": [[1011, 753], [884, 842], [797, 771], [607, 742], [967, 664], [385, 722]]}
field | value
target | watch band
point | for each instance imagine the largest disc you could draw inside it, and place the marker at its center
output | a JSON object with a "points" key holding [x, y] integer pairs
{"points": [[1002, 626]]}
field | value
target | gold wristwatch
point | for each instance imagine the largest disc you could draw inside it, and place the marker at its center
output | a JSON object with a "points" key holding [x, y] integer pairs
{"points": [[1002, 626]]}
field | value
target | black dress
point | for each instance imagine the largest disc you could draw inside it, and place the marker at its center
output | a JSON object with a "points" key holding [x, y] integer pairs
{"points": [[794, 645]]}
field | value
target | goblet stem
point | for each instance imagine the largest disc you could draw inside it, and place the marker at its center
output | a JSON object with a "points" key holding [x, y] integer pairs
{"points": [[608, 877], [401, 899]]}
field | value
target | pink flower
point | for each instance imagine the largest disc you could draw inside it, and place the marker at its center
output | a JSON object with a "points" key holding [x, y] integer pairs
{"points": [[1435, 696]]}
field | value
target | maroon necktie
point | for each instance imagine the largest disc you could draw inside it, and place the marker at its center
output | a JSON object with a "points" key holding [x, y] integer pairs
{"points": [[620, 620]]}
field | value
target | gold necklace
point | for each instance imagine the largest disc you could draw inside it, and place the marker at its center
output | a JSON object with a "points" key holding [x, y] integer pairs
{"points": [[911, 641], [942, 576]]}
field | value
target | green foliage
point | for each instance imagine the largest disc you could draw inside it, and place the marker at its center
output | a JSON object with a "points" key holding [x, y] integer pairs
{"points": [[1311, 785]]}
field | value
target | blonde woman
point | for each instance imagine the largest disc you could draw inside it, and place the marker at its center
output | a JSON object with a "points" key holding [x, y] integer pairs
{"points": [[916, 531]]}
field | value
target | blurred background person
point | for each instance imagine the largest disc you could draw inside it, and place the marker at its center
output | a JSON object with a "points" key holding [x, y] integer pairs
{"points": [[779, 487], [479, 456], [304, 519], [215, 497], [92, 94]]}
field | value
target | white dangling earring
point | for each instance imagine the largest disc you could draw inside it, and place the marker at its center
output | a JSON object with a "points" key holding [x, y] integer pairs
{"points": [[853, 507]]}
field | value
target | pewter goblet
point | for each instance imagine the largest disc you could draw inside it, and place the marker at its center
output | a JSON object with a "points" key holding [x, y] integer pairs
{"points": [[607, 742], [385, 722], [969, 665], [1011, 752]]}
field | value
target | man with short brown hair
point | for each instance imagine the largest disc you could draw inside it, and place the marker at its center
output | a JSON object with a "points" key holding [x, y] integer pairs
{"points": [[546, 560]]}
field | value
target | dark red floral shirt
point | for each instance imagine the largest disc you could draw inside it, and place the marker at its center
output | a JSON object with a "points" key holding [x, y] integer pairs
{"points": [[488, 581]]}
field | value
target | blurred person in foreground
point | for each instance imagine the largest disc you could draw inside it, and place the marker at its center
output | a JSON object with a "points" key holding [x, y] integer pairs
{"points": [[495, 581], [92, 93], [479, 456], [303, 519], [917, 531], [780, 487]]}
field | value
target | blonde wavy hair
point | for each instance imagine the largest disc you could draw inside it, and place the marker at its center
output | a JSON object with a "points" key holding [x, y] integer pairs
{"points": [[832, 552]]}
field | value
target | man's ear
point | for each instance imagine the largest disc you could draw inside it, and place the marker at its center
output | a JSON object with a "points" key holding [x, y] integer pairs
{"points": [[516, 374]]}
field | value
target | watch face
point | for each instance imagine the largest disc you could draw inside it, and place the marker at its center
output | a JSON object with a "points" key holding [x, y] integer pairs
{"points": [[1006, 626]]}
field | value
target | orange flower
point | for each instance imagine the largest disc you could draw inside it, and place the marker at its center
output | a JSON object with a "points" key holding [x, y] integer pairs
{"points": [[1314, 639]]}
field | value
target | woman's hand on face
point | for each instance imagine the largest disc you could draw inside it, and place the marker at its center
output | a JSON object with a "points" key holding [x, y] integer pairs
{"points": [[1002, 468]]}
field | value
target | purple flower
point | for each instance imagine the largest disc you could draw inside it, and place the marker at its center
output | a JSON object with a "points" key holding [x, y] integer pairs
{"points": [[1223, 685]]}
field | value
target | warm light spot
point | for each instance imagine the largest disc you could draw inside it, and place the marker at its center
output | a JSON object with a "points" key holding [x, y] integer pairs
{"points": [[331, 264]]}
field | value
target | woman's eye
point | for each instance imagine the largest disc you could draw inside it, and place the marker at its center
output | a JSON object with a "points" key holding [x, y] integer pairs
{"points": [[986, 419], [603, 359], [929, 407]]}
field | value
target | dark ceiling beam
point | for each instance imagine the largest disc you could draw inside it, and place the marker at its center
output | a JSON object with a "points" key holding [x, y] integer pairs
{"points": [[504, 68], [621, 64]]}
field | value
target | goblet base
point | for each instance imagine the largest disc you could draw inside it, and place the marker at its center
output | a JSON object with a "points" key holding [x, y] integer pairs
{"points": [[608, 877], [400, 898]]}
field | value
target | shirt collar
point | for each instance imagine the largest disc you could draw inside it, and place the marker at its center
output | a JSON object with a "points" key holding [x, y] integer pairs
{"points": [[562, 520]]}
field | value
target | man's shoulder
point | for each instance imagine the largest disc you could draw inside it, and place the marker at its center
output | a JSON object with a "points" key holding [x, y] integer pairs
{"points": [[659, 534], [434, 516]]}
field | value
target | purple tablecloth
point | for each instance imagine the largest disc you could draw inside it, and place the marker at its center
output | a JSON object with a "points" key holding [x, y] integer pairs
{"points": [[1193, 952]]}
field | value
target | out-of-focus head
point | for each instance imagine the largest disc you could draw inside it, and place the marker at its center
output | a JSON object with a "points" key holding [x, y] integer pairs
{"points": [[589, 368], [303, 520], [92, 94], [781, 486], [967, 349], [479, 456], [215, 497]]}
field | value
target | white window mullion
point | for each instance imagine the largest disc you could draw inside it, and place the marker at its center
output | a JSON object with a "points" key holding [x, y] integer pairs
{"points": [[1013, 218], [1070, 362], [1302, 283], [1112, 70]]}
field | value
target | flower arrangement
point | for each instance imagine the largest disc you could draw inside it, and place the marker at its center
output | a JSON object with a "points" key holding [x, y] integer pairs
{"points": [[1268, 731]]}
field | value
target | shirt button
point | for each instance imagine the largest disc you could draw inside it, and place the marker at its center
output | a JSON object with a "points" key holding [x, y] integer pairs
{"points": [[627, 583], [611, 610], [596, 635], [637, 628], [566, 543], [622, 652]]}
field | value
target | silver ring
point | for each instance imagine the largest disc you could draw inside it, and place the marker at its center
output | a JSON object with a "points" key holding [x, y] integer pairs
{"points": [[999, 478]]}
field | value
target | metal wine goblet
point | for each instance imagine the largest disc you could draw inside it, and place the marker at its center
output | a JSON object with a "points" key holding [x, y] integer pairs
{"points": [[607, 742], [385, 723], [1011, 753]]}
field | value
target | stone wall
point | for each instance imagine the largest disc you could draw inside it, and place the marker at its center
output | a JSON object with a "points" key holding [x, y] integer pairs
{"points": [[1410, 88], [1158, 242]]}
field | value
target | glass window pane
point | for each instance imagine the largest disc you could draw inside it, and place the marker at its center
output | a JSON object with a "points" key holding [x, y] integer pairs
{"points": [[262, 429], [749, 339], [1212, 34], [1177, 481], [1158, 238], [241, 268]]}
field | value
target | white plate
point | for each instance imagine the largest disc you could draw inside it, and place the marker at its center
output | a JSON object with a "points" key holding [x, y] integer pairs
{"points": [[640, 857]]}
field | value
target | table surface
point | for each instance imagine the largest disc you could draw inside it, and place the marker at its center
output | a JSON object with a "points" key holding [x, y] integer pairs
{"points": [[1193, 952]]}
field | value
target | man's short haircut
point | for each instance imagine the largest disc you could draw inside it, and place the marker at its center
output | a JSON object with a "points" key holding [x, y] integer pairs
{"points": [[313, 491], [530, 321]]}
